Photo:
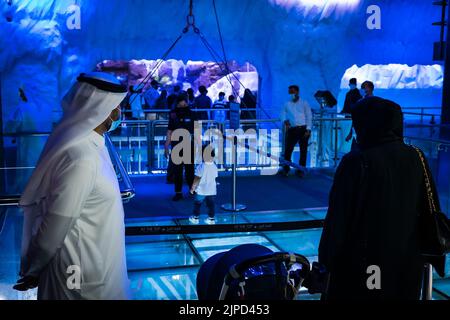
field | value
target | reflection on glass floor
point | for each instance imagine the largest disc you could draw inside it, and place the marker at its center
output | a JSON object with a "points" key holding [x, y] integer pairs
{"points": [[165, 267]]}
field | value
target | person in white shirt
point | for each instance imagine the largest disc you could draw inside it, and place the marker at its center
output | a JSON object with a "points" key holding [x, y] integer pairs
{"points": [[296, 115], [205, 186], [73, 245]]}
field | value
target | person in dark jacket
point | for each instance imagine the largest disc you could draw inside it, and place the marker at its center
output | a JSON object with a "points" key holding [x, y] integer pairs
{"points": [[372, 221], [248, 102], [352, 97], [181, 117], [202, 101], [172, 99]]}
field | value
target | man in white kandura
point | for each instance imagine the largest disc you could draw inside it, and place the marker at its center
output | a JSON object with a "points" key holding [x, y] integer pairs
{"points": [[73, 243]]}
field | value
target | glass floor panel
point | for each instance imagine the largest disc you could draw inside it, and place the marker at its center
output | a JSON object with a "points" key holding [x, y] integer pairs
{"points": [[221, 235], [318, 214], [209, 247], [148, 222], [304, 242], [153, 238], [167, 254], [161, 268], [260, 217], [170, 284]]}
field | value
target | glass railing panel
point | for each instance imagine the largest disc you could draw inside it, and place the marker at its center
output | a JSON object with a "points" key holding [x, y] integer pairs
{"points": [[131, 141], [11, 222]]}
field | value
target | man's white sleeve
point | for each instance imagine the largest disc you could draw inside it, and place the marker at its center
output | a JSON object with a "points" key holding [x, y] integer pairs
{"points": [[71, 187]]}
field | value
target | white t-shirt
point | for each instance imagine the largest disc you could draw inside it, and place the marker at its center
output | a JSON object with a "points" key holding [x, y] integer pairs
{"points": [[208, 173]]}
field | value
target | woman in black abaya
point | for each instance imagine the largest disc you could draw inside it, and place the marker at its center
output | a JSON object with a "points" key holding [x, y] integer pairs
{"points": [[374, 205]]}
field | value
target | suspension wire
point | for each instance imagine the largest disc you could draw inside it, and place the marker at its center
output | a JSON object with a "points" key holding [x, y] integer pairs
{"points": [[220, 35], [158, 64], [191, 7], [226, 60], [220, 61], [190, 22], [216, 58]]}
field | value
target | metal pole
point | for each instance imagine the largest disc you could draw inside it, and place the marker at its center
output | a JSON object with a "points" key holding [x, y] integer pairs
{"points": [[2, 146], [427, 285], [233, 191], [336, 128], [150, 146], [233, 206], [445, 111]]}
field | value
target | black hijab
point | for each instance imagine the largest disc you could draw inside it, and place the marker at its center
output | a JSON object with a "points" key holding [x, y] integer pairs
{"points": [[377, 121]]}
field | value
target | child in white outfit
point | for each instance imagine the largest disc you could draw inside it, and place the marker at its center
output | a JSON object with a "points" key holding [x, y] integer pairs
{"points": [[205, 187]]}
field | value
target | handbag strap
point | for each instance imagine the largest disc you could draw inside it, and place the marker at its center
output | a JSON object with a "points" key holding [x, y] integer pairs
{"points": [[429, 190]]}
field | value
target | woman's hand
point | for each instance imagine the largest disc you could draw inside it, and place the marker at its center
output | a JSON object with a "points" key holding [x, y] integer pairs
{"points": [[26, 283]]}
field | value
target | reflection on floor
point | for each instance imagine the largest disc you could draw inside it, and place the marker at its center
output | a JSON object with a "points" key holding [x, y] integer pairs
{"points": [[175, 282], [165, 267]]}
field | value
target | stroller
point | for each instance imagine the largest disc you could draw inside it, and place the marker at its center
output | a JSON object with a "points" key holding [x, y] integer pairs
{"points": [[254, 272]]}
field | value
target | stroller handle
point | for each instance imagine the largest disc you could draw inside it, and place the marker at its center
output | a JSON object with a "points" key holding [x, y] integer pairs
{"points": [[236, 271]]}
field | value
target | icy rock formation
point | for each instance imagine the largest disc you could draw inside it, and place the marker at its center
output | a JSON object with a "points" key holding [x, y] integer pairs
{"points": [[192, 74], [418, 86], [397, 76]]}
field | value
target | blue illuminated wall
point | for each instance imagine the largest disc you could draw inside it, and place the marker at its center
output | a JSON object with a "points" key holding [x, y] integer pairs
{"points": [[287, 44]]}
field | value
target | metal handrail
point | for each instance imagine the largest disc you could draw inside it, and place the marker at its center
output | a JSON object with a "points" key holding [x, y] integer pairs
{"points": [[437, 141], [195, 110], [128, 193]]}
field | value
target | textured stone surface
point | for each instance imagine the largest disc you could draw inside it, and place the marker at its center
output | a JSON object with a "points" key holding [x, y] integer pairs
{"points": [[191, 74], [397, 76], [311, 43]]}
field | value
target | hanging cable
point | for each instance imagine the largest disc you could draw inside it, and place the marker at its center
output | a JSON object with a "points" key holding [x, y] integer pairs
{"points": [[158, 64], [220, 35], [226, 60], [190, 23], [220, 61]]}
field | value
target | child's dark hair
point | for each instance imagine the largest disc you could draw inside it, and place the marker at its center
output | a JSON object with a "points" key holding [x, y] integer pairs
{"points": [[208, 153]]}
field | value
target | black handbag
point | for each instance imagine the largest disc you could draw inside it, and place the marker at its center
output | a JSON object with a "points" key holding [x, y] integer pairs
{"points": [[434, 225]]}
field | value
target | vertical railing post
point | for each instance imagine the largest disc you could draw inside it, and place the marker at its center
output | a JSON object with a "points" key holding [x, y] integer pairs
{"points": [[336, 128], [427, 283], [150, 147]]}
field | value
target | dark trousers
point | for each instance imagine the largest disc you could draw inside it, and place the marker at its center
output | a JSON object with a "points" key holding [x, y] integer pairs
{"points": [[178, 175], [170, 174], [296, 135], [189, 171], [210, 203]]}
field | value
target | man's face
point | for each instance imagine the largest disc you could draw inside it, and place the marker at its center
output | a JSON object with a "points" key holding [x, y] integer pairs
{"points": [[366, 90], [293, 91]]}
